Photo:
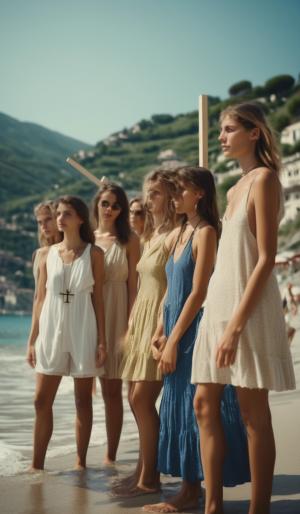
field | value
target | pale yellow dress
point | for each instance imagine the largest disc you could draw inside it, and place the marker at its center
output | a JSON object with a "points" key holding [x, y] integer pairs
{"points": [[138, 363], [263, 357], [115, 295]]}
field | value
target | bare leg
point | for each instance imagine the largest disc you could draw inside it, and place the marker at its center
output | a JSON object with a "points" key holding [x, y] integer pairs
{"points": [[112, 396], [187, 498], [123, 485], [207, 405], [143, 399], [256, 415], [46, 389], [84, 417]]}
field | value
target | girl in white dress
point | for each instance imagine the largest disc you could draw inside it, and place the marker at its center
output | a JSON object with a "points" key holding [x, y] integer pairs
{"points": [[242, 339], [67, 335], [48, 233], [121, 253]]}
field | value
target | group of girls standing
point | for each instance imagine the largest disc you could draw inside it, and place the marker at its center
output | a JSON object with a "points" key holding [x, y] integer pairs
{"points": [[209, 330]]}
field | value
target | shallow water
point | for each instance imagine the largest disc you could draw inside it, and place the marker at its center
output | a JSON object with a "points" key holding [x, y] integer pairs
{"points": [[17, 384]]}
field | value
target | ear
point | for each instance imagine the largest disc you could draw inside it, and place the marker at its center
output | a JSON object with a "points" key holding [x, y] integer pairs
{"points": [[255, 133], [199, 194]]}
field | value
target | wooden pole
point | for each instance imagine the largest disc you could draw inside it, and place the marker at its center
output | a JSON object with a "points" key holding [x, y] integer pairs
{"points": [[84, 171], [203, 131]]}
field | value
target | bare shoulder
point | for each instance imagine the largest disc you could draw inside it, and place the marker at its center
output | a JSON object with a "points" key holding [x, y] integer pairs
{"points": [[266, 180], [172, 238], [43, 253], [205, 234], [133, 242], [97, 254]]}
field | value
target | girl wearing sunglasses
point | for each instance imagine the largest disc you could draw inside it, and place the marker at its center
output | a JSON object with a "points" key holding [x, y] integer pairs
{"points": [[137, 216], [121, 254]]}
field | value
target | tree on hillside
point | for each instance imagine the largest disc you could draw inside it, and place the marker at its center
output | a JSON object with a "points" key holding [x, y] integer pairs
{"points": [[293, 106], [279, 85], [280, 121], [240, 88], [162, 118]]}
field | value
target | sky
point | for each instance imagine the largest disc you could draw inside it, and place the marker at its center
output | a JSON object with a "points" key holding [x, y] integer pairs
{"points": [[90, 68]]}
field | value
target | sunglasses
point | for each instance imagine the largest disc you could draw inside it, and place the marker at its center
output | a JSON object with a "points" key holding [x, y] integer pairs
{"points": [[136, 212], [114, 206]]}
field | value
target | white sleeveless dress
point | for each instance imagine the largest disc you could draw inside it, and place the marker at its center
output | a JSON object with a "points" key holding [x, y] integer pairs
{"points": [[263, 357], [67, 340], [115, 293]]}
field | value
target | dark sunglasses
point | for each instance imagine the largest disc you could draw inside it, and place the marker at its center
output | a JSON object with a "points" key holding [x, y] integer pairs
{"points": [[137, 212], [114, 206]]}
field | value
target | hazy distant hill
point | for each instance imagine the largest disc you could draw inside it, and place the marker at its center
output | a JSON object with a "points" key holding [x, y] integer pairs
{"points": [[31, 158]]}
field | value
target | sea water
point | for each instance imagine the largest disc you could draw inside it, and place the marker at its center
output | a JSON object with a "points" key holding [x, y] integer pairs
{"points": [[17, 386]]}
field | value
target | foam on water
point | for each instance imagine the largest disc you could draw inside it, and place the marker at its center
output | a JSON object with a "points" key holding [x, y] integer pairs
{"points": [[12, 461]]}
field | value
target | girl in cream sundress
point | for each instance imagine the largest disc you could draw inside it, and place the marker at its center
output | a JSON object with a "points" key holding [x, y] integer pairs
{"points": [[242, 339], [138, 366], [121, 254]]}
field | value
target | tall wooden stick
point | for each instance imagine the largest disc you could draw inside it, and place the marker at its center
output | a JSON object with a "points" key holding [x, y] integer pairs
{"points": [[84, 171], [203, 131]]}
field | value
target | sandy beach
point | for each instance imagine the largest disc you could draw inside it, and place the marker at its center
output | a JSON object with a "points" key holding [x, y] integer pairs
{"points": [[61, 489]]}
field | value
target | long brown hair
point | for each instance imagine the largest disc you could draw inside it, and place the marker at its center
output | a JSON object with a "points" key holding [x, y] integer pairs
{"points": [[202, 178], [250, 115], [47, 206], [122, 225], [168, 181], [86, 232]]}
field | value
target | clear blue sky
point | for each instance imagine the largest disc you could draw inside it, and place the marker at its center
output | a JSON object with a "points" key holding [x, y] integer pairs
{"points": [[91, 67]]}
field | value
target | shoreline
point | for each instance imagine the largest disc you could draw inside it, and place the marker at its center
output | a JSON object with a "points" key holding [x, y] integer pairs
{"points": [[61, 488]]}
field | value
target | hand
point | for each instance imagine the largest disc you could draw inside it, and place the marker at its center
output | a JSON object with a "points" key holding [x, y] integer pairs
{"points": [[101, 355], [227, 348], [31, 356], [167, 363], [158, 344]]}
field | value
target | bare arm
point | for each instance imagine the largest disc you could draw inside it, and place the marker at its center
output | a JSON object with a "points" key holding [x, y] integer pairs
{"points": [[133, 256], [266, 204], [38, 302], [205, 245], [97, 258]]}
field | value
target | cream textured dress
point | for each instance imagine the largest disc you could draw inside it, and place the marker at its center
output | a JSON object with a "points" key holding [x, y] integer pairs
{"points": [[35, 266], [115, 294], [138, 363], [67, 340], [263, 357]]}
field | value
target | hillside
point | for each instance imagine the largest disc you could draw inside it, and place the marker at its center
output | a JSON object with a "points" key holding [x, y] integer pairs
{"points": [[31, 159]]}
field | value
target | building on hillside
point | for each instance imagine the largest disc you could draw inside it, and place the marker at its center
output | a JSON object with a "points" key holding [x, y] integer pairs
{"points": [[291, 134], [290, 178]]}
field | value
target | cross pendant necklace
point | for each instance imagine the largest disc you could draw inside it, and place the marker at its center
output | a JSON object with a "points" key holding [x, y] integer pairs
{"points": [[66, 292], [66, 295]]}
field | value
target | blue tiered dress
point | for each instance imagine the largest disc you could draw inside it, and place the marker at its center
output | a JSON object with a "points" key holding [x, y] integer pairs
{"points": [[179, 451]]}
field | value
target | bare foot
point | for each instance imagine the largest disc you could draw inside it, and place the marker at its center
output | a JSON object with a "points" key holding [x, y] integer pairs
{"points": [[137, 491], [79, 467], [121, 486], [108, 462], [31, 469], [178, 503]]}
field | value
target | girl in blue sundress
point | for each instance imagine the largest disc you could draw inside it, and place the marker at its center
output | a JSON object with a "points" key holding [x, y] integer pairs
{"points": [[188, 269]]}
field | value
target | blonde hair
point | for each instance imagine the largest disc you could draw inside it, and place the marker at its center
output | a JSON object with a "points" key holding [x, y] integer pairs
{"points": [[168, 181], [250, 116], [50, 207]]}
